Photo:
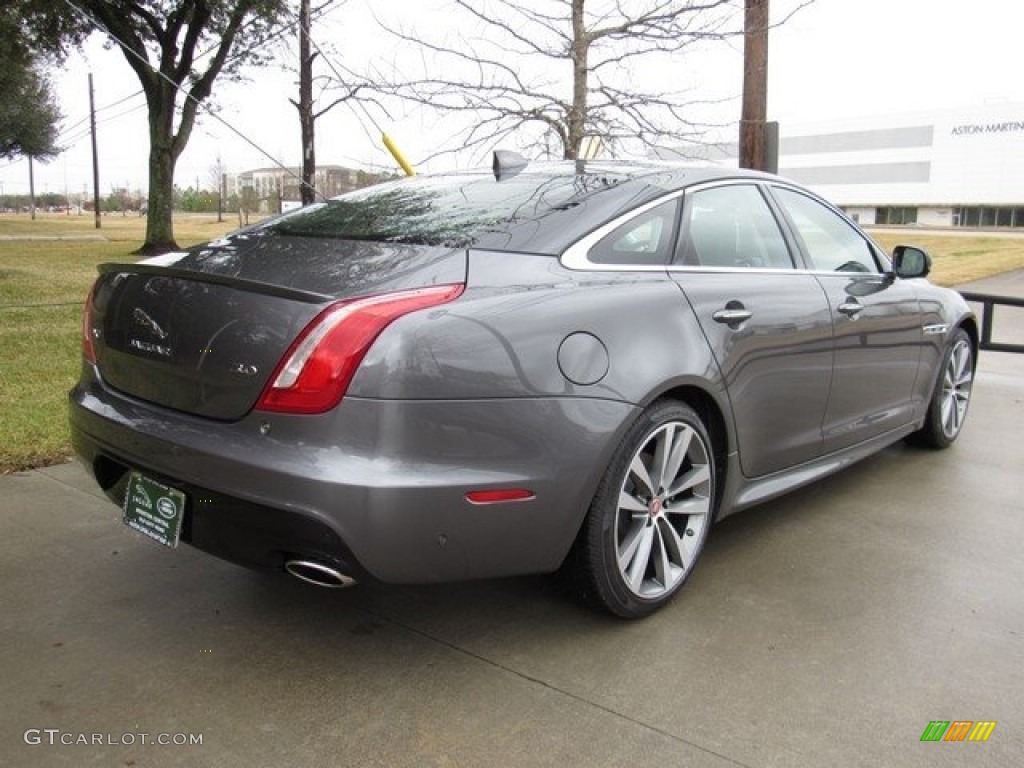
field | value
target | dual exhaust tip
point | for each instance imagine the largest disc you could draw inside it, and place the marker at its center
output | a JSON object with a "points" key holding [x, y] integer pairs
{"points": [[320, 574]]}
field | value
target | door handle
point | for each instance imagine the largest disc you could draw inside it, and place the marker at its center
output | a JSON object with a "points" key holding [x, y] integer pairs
{"points": [[732, 317], [851, 308]]}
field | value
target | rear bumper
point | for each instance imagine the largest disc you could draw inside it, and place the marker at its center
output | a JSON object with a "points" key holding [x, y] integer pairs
{"points": [[377, 486]]}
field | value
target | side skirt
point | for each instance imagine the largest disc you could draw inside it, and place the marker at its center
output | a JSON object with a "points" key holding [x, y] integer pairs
{"points": [[743, 492]]}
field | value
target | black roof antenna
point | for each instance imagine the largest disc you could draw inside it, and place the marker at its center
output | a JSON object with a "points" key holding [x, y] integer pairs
{"points": [[507, 163]]}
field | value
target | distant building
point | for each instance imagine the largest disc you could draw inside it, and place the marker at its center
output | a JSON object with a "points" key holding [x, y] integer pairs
{"points": [[948, 168], [272, 184]]}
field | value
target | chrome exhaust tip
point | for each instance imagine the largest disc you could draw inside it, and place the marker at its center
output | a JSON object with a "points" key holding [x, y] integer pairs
{"points": [[320, 574]]}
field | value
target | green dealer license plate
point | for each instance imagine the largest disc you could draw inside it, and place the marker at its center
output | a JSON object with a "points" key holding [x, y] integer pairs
{"points": [[154, 509]]}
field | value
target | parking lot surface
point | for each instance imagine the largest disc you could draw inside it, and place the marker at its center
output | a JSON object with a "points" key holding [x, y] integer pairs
{"points": [[827, 628]]}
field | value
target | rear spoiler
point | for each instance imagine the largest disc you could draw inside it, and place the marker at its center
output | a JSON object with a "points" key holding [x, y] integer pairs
{"points": [[211, 278]]}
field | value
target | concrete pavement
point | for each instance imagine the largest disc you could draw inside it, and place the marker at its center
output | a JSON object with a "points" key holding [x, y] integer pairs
{"points": [[827, 628]]}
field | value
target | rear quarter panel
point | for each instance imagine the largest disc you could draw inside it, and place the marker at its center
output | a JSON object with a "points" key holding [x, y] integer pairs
{"points": [[500, 341], [502, 337]]}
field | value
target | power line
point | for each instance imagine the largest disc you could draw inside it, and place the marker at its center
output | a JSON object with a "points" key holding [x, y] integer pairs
{"points": [[99, 25], [69, 136], [322, 11], [85, 119]]}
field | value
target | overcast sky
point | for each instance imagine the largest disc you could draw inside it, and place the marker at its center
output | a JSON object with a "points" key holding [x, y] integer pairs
{"points": [[835, 60]]}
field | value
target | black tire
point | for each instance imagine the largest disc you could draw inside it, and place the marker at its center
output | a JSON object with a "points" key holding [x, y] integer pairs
{"points": [[947, 410], [659, 529]]}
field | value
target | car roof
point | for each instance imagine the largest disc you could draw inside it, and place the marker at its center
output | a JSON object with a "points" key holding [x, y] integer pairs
{"points": [[531, 207], [630, 184]]}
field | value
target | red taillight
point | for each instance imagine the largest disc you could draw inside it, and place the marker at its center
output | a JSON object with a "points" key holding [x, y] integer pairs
{"points": [[315, 373], [88, 349]]}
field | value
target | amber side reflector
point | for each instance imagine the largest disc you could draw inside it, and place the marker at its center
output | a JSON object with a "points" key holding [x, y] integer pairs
{"points": [[499, 495]]}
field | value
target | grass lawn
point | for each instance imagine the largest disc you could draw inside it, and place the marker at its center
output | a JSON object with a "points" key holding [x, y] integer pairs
{"points": [[956, 259], [44, 282]]}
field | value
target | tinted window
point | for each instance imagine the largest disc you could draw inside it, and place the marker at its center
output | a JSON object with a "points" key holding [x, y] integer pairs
{"points": [[832, 244], [643, 240], [446, 210], [732, 227]]}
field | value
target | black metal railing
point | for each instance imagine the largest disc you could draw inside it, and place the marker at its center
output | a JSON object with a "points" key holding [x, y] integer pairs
{"points": [[988, 309]]}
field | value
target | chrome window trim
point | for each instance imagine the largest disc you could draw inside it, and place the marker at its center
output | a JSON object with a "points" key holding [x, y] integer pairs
{"points": [[576, 256], [881, 259], [739, 270], [777, 271]]}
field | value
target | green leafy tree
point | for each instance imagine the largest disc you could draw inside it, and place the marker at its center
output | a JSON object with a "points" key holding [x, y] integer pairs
{"points": [[177, 49], [118, 201], [28, 111], [29, 116], [39, 28], [193, 200]]}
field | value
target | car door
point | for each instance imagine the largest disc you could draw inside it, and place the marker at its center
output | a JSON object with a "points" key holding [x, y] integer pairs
{"points": [[876, 323], [767, 323]]}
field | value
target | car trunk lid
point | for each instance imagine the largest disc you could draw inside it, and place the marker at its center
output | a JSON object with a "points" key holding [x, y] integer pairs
{"points": [[202, 331]]}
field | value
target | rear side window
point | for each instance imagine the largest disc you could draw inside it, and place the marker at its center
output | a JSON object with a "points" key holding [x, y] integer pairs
{"points": [[731, 227], [832, 244], [644, 240]]}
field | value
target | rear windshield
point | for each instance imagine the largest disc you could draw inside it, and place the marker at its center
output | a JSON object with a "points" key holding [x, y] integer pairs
{"points": [[444, 210]]}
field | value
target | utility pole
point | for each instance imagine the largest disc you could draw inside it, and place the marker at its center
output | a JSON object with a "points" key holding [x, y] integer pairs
{"points": [[755, 85], [95, 157], [31, 189]]}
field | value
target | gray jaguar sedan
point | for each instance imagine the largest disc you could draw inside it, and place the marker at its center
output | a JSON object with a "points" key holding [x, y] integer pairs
{"points": [[535, 367]]}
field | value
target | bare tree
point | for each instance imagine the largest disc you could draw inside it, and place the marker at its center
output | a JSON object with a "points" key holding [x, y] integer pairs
{"points": [[567, 66], [318, 95], [218, 172]]}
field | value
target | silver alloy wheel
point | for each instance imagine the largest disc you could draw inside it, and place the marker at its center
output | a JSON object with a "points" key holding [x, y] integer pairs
{"points": [[664, 506], [956, 388]]}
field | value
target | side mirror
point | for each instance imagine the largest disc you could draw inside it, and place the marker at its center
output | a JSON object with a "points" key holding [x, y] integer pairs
{"points": [[909, 262]]}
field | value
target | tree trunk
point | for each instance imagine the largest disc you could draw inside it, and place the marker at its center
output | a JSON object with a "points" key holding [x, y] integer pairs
{"points": [[577, 117], [162, 159], [305, 106]]}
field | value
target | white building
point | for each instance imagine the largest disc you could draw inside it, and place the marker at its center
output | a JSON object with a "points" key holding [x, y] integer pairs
{"points": [[948, 168], [280, 184]]}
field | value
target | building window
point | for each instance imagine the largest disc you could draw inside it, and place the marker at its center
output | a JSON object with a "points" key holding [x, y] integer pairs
{"points": [[969, 217], [896, 215], [988, 216]]}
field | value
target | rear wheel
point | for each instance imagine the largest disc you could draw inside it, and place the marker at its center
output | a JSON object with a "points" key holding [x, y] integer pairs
{"points": [[648, 522], [948, 408]]}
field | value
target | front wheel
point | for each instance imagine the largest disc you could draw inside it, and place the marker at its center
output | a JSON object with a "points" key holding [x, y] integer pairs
{"points": [[650, 517], [948, 407]]}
